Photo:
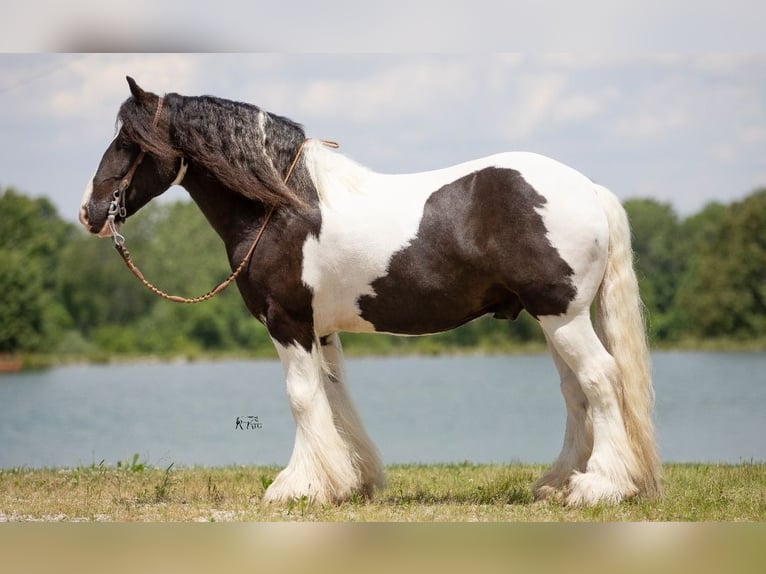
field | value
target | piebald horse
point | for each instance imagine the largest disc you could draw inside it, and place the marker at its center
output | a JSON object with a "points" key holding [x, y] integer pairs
{"points": [[342, 248]]}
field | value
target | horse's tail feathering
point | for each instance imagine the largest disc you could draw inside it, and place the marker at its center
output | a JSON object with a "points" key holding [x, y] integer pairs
{"points": [[620, 325]]}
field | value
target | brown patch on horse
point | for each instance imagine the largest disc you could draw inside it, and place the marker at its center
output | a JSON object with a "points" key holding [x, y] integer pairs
{"points": [[481, 248]]}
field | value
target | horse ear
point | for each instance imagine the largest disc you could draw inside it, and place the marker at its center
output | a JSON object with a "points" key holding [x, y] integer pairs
{"points": [[135, 89]]}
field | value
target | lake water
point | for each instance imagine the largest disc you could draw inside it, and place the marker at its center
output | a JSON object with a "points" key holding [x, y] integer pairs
{"points": [[710, 408]]}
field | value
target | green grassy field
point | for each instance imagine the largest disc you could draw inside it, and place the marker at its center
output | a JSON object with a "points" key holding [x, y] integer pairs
{"points": [[133, 491]]}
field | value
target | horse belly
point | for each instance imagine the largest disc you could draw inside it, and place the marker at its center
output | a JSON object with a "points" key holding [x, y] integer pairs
{"points": [[432, 309]]}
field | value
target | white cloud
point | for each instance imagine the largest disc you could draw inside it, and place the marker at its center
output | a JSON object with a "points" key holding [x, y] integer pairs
{"points": [[403, 89], [734, 146], [582, 106], [530, 101], [650, 124], [100, 81], [576, 61], [753, 134]]}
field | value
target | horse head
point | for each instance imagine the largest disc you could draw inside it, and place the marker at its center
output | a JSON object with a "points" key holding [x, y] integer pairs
{"points": [[138, 165]]}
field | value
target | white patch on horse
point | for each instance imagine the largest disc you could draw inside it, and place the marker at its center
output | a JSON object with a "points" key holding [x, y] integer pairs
{"points": [[84, 202], [571, 205], [261, 123]]}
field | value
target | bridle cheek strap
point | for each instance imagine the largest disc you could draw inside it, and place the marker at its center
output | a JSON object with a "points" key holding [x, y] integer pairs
{"points": [[117, 205]]}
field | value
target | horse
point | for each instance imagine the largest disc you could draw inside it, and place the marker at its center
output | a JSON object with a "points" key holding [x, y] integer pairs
{"points": [[339, 247]]}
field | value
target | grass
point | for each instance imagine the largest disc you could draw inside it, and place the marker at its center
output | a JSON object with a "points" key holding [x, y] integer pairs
{"points": [[134, 491]]}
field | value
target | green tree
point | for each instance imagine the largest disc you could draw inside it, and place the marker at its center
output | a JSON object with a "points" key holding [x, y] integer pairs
{"points": [[31, 237], [96, 288], [723, 294], [22, 310], [32, 226], [697, 229], [659, 265]]}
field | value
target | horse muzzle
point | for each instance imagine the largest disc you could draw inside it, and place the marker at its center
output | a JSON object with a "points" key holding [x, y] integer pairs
{"points": [[97, 226]]}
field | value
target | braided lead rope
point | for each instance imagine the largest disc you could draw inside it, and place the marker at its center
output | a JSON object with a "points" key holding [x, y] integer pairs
{"points": [[123, 251], [125, 254]]}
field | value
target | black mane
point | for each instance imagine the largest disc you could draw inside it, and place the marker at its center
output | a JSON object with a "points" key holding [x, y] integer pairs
{"points": [[246, 148]]}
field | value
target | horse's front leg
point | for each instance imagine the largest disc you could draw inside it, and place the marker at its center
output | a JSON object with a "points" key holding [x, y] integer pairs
{"points": [[320, 467], [364, 455]]}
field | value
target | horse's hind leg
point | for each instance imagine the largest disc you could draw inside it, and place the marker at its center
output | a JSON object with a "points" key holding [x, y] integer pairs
{"points": [[578, 436], [364, 455], [320, 467], [608, 472]]}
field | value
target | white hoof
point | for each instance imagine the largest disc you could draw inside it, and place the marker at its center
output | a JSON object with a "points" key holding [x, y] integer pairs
{"points": [[290, 485], [589, 488]]}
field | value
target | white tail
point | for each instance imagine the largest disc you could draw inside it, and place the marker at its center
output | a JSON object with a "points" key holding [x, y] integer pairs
{"points": [[621, 328]]}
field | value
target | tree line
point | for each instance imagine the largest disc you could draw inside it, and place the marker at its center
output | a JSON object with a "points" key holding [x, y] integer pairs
{"points": [[66, 294]]}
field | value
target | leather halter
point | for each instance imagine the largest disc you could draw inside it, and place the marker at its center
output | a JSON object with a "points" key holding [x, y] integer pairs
{"points": [[117, 205]]}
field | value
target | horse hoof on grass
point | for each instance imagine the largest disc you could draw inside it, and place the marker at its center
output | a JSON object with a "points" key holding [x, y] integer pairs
{"points": [[547, 493], [590, 488]]}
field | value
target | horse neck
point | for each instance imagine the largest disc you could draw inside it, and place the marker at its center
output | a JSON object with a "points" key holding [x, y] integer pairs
{"points": [[231, 215]]}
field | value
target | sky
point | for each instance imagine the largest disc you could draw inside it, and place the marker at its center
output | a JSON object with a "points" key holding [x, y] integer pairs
{"points": [[682, 120]]}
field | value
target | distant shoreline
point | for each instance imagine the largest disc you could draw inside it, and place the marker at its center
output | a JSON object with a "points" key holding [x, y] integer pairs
{"points": [[42, 361]]}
